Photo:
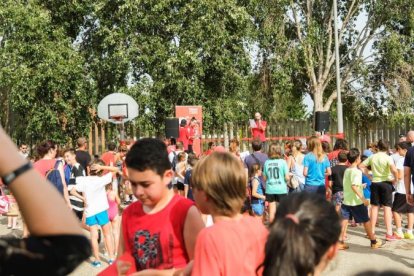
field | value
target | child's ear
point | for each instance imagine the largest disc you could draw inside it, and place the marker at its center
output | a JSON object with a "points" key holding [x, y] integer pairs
{"points": [[167, 177]]}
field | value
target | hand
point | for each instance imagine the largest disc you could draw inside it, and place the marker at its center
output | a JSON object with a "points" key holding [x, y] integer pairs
{"points": [[96, 167], [410, 199], [122, 267], [365, 201]]}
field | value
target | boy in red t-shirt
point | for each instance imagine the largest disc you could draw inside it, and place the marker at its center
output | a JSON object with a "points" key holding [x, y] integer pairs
{"points": [[234, 245], [160, 229]]}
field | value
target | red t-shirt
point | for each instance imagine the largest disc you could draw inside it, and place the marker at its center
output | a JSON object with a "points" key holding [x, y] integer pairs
{"points": [[191, 133], [44, 165], [157, 240], [108, 158], [258, 132], [183, 136], [230, 248]]}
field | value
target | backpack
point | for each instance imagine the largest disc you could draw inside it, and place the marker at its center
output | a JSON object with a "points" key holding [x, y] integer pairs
{"points": [[53, 175], [175, 160]]}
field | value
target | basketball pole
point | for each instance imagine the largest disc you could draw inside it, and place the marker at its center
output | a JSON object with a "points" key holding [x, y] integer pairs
{"points": [[338, 74]]}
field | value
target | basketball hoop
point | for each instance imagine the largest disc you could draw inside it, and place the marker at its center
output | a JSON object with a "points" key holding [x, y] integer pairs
{"points": [[117, 118]]}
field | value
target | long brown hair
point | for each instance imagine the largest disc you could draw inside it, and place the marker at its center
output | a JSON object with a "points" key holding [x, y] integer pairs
{"points": [[315, 146]]}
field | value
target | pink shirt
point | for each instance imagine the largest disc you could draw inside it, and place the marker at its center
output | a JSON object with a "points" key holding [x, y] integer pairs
{"points": [[44, 165], [233, 247]]}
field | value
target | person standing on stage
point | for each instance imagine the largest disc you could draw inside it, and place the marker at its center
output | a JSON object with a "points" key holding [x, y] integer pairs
{"points": [[258, 131]]}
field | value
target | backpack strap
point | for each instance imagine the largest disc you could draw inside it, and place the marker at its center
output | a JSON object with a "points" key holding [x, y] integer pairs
{"points": [[256, 159], [57, 164]]}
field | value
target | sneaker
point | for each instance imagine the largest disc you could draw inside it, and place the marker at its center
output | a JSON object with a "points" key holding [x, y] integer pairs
{"points": [[409, 236], [110, 261], [377, 245], [392, 237], [96, 264], [342, 246], [400, 235]]}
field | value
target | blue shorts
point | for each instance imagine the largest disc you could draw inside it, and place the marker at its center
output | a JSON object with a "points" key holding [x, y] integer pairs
{"points": [[100, 219], [359, 213], [315, 189], [258, 208]]}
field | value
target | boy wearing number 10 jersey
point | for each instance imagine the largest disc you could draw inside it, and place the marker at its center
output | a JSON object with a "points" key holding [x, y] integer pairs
{"points": [[276, 175]]}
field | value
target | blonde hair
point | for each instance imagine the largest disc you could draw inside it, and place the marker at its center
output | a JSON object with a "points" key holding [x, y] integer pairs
{"points": [[222, 177], [275, 151], [315, 146]]}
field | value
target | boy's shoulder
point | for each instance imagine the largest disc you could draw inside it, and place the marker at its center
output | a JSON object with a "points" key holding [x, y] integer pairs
{"points": [[220, 231]]}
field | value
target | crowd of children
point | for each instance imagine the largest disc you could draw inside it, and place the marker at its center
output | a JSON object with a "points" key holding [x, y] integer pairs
{"points": [[298, 205]]}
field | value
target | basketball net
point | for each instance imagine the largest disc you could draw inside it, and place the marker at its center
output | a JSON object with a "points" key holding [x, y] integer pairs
{"points": [[118, 118]]}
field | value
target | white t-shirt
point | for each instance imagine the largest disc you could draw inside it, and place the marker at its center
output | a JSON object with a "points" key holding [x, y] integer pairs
{"points": [[400, 188], [396, 157], [93, 189]]}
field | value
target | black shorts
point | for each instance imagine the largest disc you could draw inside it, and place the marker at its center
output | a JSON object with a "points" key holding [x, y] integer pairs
{"points": [[180, 186], [400, 204], [79, 214], [381, 193], [359, 213], [273, 197]]}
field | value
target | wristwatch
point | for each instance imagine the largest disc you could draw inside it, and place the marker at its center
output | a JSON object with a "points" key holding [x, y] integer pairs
{"points": [[9, 178]]}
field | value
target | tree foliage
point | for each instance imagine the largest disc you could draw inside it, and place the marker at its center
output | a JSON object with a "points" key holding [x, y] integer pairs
{"points": [[41, 76], [59, 58]]}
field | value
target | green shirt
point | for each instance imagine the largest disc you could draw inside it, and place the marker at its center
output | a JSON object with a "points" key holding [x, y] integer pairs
{"points": [[352, 177], [275, 171], [380, 166]]}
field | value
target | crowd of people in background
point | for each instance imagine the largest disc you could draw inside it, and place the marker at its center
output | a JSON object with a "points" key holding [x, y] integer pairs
{"points": [[287, 206]]}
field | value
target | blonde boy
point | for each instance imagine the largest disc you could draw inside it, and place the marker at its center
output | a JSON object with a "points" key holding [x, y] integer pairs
{"points": [[234, 245]]}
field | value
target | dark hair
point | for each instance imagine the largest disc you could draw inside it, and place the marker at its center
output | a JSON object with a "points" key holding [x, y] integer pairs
{"points": [[256, 145], [383, 145], [173, 141], [97, 161], [297, 247], [353, 155], [44, 147], [363, 158], [342, 157], [192, 159], [111, 146], [341, 144], [148, 154], [70, 150], [382, 273], [210, 145], [404, 145], [326, 147], [254, 168]]}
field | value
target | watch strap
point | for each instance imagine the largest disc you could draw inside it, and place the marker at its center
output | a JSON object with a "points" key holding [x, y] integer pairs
{"points": [[9, 178]]}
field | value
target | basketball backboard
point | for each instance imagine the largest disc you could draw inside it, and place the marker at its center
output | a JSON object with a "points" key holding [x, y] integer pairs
{"points": [[116, 106]]}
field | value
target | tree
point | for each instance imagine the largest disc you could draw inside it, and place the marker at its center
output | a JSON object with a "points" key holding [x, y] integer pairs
{"points": [[41, 75], [311, 37]]}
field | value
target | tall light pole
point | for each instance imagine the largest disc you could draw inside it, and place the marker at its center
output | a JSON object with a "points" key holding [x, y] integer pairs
{"points": [[338, 73]]}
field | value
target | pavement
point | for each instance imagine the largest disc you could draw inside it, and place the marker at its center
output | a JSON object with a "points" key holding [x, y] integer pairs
{"points": [[397, 255]]}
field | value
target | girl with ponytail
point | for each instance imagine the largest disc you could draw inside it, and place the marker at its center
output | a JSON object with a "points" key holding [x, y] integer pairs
{"points": [[303, 237], [316, 167]]}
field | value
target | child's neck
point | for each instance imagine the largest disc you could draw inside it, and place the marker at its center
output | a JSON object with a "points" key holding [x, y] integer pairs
{"points": [[160, 204], [219, 217], [342, 163], [353, 165]]}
